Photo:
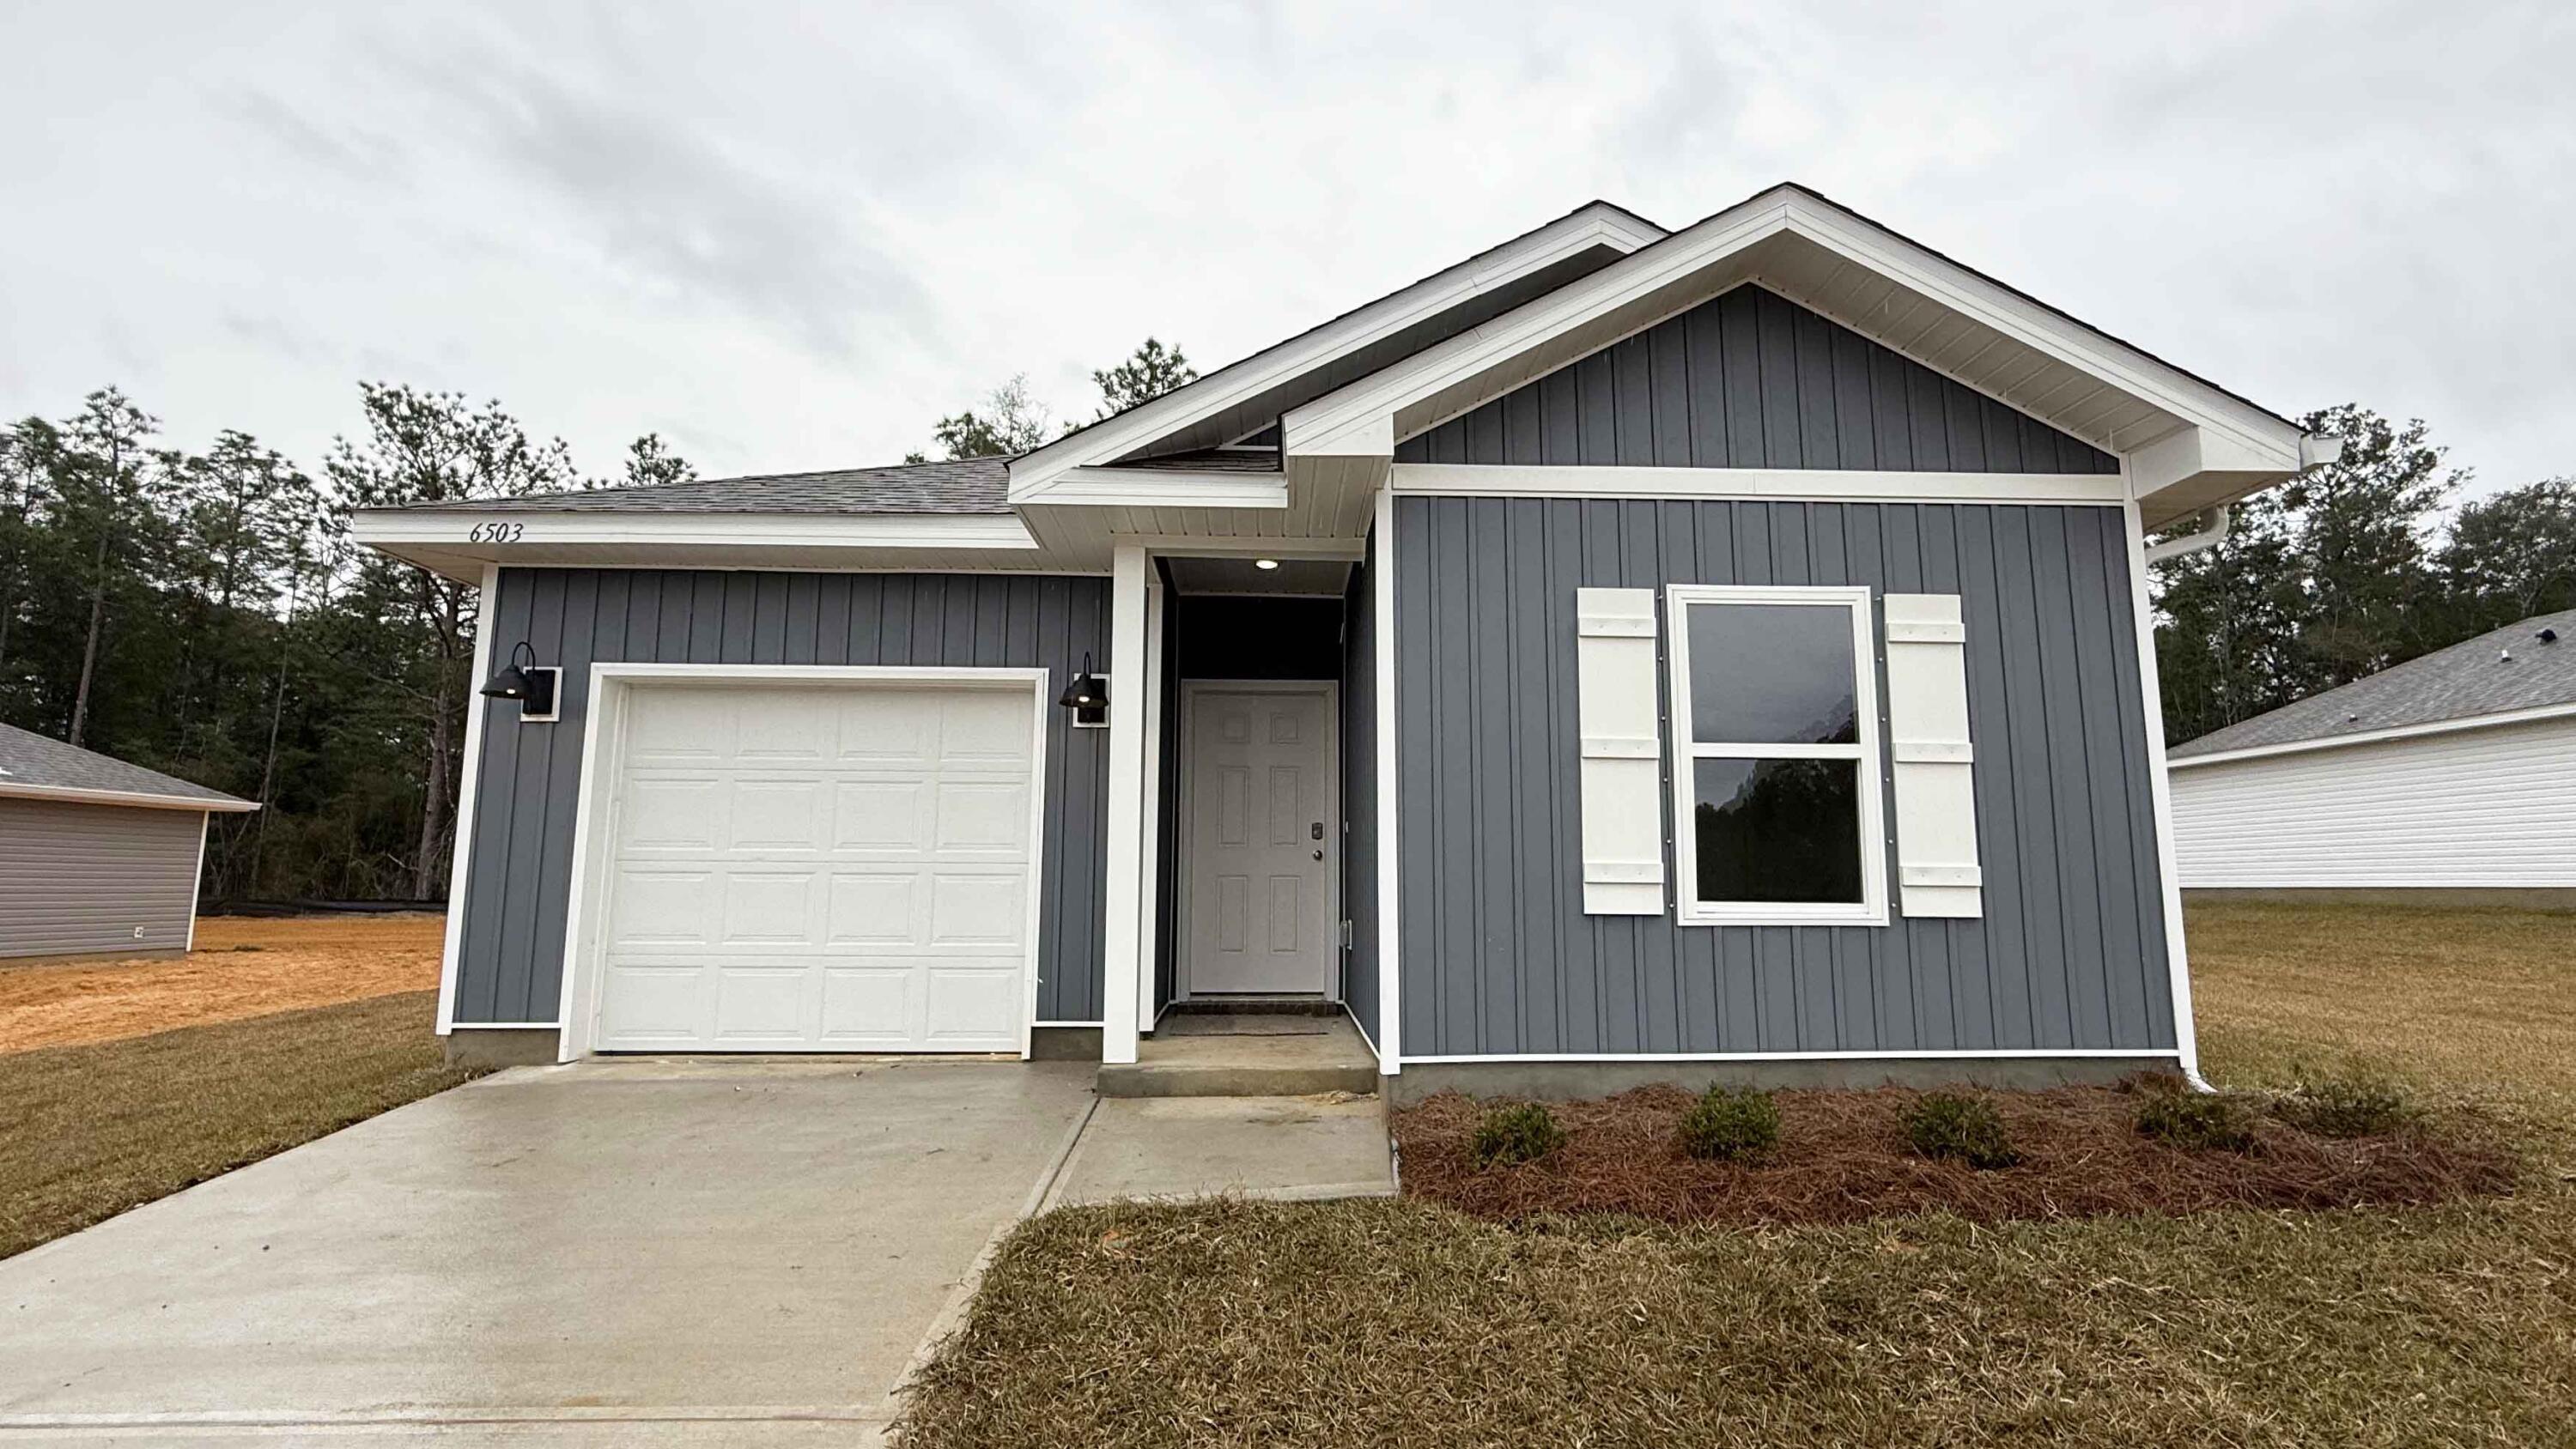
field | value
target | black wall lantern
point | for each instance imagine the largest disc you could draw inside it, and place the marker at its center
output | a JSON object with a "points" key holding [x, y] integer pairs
{"points": [[1087, 696], [531, 684]]}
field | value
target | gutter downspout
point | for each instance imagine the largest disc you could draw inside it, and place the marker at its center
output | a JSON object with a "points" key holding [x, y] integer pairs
{"points": [[2191, 543]]}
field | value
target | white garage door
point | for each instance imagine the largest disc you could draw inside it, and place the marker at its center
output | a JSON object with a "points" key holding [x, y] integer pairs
{"points": [[810, 868]]}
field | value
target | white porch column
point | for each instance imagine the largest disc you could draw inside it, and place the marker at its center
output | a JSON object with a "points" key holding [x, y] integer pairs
{"points": [[1123, 963], [1148, 927]]}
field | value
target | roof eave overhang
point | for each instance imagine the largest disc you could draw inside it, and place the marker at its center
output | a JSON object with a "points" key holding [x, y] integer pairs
{"points": [[462, 543], [1035, 474], [2188, 444], [133, 799]]}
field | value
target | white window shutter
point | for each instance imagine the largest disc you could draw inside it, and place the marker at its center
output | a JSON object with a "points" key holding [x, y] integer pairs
{"points": [[1623, 812], [1927, 716]]}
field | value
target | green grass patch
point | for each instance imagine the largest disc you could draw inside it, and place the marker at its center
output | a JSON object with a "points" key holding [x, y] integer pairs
{"points": [[94, 1130]]}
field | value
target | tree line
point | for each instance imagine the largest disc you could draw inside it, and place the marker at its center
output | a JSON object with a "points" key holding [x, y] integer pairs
{"points": [[2350, 568], [204, 613]]}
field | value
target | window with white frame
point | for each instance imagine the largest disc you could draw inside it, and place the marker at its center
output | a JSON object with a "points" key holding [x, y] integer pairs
{"points": [[1775, 756]]}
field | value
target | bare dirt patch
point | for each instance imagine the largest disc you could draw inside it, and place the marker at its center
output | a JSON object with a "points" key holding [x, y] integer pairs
{"points": [[290, 964], [1843, 1157]]}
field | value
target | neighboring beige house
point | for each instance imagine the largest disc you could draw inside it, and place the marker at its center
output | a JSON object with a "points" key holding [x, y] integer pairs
{"points": [[2449, 776], [97, 855]]}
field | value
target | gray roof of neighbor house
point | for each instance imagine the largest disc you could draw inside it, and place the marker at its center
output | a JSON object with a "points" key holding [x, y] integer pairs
{"points": [[2506, 670], [966, 485], [40, 765]]}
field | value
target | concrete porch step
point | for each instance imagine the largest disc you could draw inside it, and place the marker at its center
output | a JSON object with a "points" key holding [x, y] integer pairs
{"points": [[1244, 1064]]}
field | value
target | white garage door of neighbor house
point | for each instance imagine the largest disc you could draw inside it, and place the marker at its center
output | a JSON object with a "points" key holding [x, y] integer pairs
{"points": [[810, 868]]}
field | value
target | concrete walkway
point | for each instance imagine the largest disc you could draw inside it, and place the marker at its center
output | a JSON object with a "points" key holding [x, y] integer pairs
{"points": [[615, 1253]]}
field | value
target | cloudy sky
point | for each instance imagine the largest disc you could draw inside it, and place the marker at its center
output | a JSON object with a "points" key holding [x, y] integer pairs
{"points": [[792, 236]]}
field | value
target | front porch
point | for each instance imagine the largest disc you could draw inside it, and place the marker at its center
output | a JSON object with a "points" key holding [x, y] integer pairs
{"points": [[1273, 1048]]}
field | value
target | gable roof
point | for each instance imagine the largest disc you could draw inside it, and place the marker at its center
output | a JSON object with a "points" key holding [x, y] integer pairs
{"points": [[2467, 682], [42, 767]]}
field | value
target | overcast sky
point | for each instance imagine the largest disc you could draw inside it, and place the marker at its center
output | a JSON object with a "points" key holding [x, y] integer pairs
{"points": [[791, 237]]}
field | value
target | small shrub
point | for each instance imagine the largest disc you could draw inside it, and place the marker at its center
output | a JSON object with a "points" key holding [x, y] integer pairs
{"points": [[1730, 1126], [1949, 1125], [2197, 1121], [1516, 1133], [2355, 1104]]}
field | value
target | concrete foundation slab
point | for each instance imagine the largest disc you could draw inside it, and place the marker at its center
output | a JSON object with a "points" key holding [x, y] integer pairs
{"points": [[1576, 1081], [1324, 1146], [1216, 1061]]}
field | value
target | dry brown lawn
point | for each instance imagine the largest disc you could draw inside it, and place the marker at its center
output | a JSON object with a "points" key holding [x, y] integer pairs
{"points": [[242, 967], [1407, 1323], [93, 1130]]}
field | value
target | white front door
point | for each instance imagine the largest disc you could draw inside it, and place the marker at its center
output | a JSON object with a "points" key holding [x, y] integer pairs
{"points": [[818, 868], [1260, 843]]}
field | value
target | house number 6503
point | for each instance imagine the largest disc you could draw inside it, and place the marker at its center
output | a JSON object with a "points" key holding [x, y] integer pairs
{"points": [[495, 532]]}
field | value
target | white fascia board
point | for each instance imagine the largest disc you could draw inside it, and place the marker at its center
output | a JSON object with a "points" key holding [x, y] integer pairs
{"points": [[139, 799], [1473, 480], [1166, 488], [456, 530], [1594, 225], [1329, 423], [2497, 720]]}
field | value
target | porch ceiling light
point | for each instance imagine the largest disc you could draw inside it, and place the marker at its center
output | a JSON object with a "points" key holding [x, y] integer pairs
{"points": [[522, 680], [1265, 563], [1088, 693]]}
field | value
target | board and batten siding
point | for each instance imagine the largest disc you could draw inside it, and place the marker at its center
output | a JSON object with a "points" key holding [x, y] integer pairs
{"points": [[1359, 800], [76, 878], [1749, 379], [1497, 954], [510, 960], [2483, 809]]}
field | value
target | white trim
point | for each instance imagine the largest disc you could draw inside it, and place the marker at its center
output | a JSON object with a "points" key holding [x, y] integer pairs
{"points": [[451, 528], [594, 805], [1148, 922], [1124, 898], [2142, 1053], [468, 791], [2160, 792], [1688, 908], [1390, 882], [1167, 488], [1352, 418], [1329, 987], [1478, 480], [1185, 545], [1072, 1024], [1244, 382], [197, 881], [140, 800], [2498, 720]]}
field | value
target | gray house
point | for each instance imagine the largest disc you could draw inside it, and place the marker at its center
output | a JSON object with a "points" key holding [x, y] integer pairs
{"points": [[1626, 654], [97, 856]]}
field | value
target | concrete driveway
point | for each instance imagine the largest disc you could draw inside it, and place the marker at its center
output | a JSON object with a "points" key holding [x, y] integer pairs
{"points": [[627, 1253]]}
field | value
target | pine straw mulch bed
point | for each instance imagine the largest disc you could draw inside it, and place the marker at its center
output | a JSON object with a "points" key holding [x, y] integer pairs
{"points": [[1842, 1157]]}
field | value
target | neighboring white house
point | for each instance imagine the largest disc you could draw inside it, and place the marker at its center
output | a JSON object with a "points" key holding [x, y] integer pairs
{"points": [[2453, 772]]}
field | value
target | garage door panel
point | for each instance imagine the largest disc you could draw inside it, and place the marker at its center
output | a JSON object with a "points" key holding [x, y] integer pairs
{"points": [[652, 1003], [987, 818], [969, 1002], [775, 815], [670, 813], [881, 815], [980, 910], [870, 1007], [662, 908], [875, 910], [770, 908], [809, 868]]}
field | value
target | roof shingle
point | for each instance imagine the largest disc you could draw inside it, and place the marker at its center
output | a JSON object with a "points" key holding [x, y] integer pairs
{"points": [[956, 486], [30, 761], [2465, 681]]}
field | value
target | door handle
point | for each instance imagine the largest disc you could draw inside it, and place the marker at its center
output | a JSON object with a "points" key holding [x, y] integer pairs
{"points": [[1319, 855]]}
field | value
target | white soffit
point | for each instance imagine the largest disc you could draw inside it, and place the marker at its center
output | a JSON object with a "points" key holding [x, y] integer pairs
{"points": [[461, 542], [1889, 289], [1223, 404]]}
